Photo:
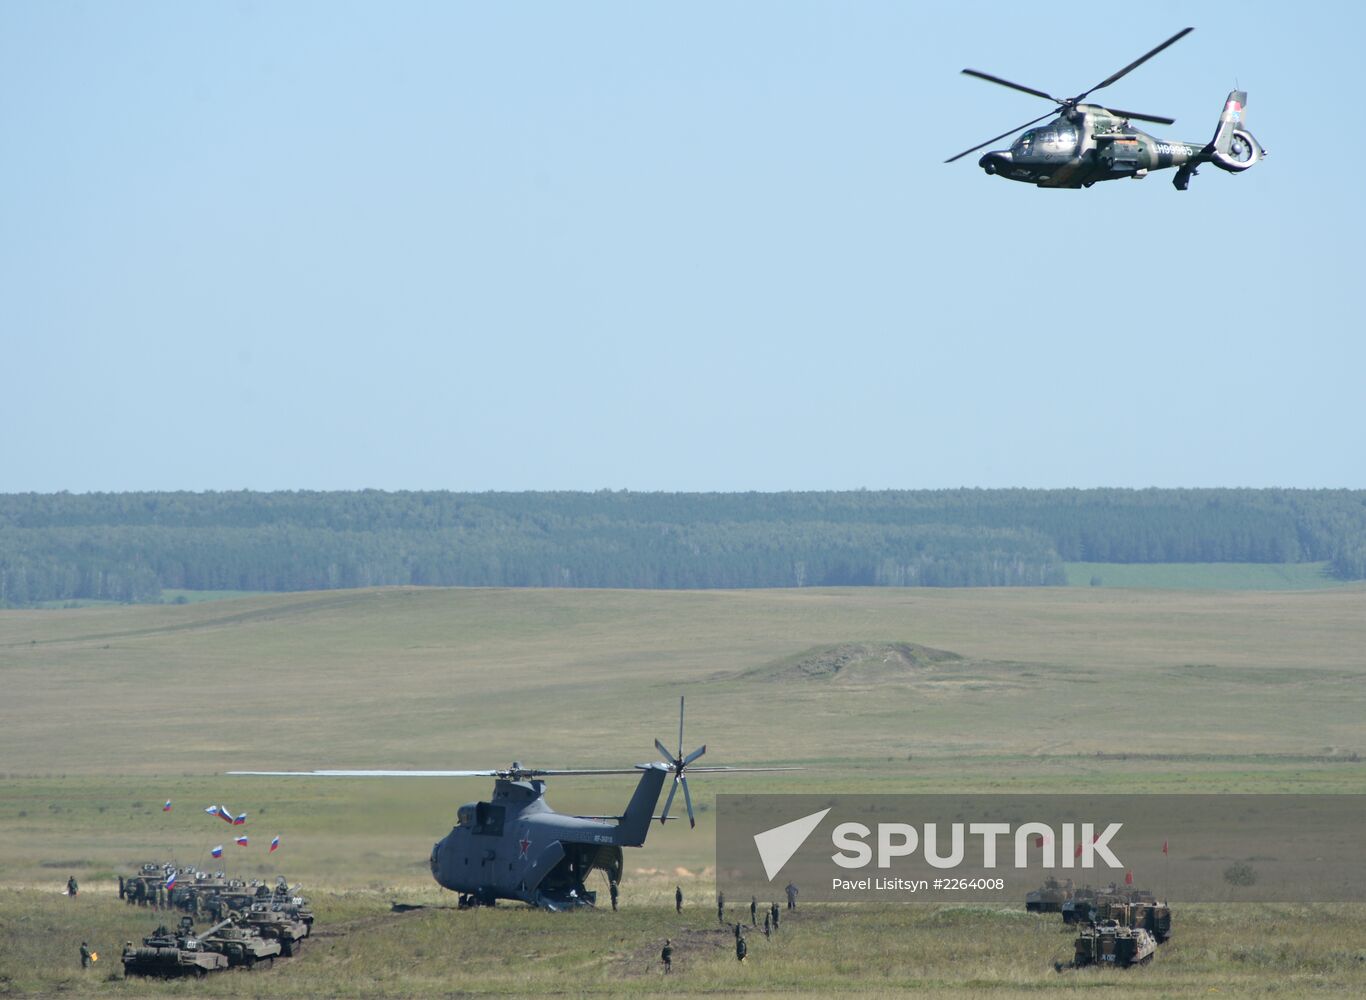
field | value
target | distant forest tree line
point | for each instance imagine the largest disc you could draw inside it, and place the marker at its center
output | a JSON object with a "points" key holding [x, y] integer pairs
{"points": [[128, 546]]}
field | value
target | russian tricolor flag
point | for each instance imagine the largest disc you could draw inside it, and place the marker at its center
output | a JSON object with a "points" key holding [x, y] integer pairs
{"points": [[170, 881], [217, 852], [225, 815], [167, 807], [241, 818], [242, 840], [274, 844], [211, 810]]}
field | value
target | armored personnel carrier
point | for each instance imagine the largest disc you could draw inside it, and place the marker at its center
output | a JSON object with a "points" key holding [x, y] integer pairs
{"points": [[241, 944], [174, 953], [1089, 905], [1050, 897], [1111, 943], [1153, 917]]}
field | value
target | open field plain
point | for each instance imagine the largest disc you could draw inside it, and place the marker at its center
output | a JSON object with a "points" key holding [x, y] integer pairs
{"points": [[108, 711]]}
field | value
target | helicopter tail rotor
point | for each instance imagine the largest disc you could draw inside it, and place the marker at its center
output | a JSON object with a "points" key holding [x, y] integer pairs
{"points": [[678, 764]]}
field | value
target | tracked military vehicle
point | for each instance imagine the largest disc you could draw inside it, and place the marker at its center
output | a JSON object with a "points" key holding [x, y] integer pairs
{"points": [[1153, 917], [194, 889], [274, 921], [1050, 897], [1078, 909], [1111, 943], [241, 944], [145, 887], [174, 953]]}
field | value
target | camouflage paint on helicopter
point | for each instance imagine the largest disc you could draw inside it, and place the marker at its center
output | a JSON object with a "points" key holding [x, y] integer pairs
{"points": [[1087, 143]]}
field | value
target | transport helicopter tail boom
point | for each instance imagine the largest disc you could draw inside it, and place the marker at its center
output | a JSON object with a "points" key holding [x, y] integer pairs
{"points": [[635, 822]]}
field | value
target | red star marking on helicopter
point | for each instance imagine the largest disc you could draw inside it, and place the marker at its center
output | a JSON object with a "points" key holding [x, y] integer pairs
{"points": [[524, 844]]}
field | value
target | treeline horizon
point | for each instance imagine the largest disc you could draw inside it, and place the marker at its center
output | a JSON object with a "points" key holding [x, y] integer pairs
{"points": [[130, 546]]}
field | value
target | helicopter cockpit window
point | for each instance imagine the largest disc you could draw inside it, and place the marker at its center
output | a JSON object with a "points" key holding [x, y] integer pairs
{"points": [[465, 816], [1056, 139], [488, 820], [1023, 144]]}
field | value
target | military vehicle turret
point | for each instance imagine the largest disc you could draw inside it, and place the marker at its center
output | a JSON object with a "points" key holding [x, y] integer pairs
{"points": [[174, 953], [1111, 943], [241, 944], [1050, 897]]}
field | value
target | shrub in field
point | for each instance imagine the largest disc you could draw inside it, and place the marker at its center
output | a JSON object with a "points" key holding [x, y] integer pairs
{"points": [[1240, 873]]}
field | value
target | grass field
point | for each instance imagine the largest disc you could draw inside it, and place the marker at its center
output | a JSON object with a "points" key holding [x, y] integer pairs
{"points": [[108, 711], [1204, 576]]}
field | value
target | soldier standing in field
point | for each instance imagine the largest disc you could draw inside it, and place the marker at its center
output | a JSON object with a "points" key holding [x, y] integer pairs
{"points": [[741, 946], [754, 911], [720, 907], [678, 899], [85, 955], [774, 910], [791, 891], [667, 956], [768, 927], [71, 887]]}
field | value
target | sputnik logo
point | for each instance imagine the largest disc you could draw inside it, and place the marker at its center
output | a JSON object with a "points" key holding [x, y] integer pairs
{"points": [[776, 846]]}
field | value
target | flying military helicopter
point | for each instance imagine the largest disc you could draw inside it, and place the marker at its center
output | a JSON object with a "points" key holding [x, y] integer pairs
{"points": [[1087, 143], [514, 846]]}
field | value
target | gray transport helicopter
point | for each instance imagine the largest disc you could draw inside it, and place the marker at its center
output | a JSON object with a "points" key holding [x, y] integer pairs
{"points": [[514, 846], [1087, 143]]}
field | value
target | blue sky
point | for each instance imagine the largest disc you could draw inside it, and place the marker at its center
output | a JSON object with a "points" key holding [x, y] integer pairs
{"points": [[709, 246]]}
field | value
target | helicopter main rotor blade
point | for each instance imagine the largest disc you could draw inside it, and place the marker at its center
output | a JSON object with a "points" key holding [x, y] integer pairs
{"points": [[694, 755], [530, 772], [722, 768], [1135, 64], [1001, 136], [664, 751], [687, 799], [1013, 86], [372, 774], [664, 816], [1143, 118], [680, 725]]}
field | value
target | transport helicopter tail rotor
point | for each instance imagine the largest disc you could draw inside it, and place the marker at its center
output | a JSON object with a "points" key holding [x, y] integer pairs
{"points": [[678, 765]]}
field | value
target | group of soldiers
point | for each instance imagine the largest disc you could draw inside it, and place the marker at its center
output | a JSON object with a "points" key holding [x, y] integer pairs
{"points": [[772, 915]]}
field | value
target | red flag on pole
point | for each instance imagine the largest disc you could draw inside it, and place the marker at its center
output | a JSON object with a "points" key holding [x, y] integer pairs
{"points": [[1129, 877], [1164, 845]]}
